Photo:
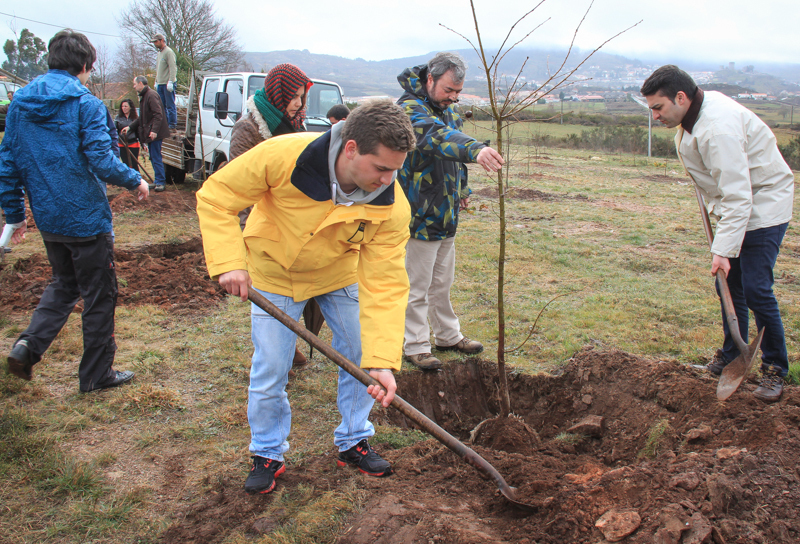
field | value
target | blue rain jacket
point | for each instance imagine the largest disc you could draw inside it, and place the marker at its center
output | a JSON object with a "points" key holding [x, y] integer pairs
{"points": [[56, 149]]}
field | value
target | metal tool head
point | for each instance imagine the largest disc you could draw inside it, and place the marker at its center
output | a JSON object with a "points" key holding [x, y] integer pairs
{"points": [[510, 493], [737, 370]]}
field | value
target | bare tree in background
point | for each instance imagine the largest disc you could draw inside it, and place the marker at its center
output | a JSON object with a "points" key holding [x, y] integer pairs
{"points": [[200, 39], [504, 104], [133, 59], [101, 72]]}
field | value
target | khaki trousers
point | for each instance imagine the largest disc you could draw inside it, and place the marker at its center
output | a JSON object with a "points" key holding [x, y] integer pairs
{"points": [[431, 268]]}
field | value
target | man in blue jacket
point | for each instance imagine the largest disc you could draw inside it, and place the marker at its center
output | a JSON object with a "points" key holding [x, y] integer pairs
{"points": [[56, 150], [434, 178]]}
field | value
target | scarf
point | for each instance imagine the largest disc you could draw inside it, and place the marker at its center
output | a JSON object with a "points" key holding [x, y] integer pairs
{"points": [[280, 86], [272, 115]]}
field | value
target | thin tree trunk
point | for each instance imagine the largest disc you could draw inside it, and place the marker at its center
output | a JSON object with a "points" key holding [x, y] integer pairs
{"points": [[505, 399]]}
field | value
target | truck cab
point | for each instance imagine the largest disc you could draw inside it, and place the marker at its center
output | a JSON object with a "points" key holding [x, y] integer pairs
{"points": [[214, 139]]}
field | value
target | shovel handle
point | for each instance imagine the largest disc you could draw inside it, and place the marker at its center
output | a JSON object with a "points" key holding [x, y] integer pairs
{"points": [[722, 280], [130, 155], [467, 453]]}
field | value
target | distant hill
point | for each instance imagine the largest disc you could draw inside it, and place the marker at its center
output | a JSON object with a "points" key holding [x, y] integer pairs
{"points": [[359, 77]]}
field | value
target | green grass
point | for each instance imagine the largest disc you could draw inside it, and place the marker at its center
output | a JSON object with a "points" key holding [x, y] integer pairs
{"points": [[655, 438]]}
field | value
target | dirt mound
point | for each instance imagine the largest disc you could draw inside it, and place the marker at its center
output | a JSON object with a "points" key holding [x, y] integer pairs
{"points": [[172, 276], [628, 447], [528, 194], [170, 201]]}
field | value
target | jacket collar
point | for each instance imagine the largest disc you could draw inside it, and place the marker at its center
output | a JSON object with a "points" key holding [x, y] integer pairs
{"points": [[311, 174], [693, 112]]}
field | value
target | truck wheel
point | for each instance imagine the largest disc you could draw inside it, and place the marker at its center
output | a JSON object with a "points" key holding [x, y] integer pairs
{"points": [[178, 176]]}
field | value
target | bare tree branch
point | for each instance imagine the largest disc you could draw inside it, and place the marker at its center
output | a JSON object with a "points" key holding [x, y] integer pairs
{"points": [[200, 38]]}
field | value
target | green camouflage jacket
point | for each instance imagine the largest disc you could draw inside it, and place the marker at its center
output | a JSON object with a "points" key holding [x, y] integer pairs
{"points": [[434, 177]]}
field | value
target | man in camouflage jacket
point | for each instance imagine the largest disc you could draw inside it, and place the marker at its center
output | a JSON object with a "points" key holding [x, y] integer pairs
{"points": [[434, 178]]}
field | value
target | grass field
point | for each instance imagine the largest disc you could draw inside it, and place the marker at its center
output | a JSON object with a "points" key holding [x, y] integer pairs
{"points": [[621, 242]]}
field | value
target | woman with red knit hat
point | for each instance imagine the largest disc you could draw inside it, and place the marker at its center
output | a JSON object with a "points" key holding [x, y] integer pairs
{"points": [[279, 108]]}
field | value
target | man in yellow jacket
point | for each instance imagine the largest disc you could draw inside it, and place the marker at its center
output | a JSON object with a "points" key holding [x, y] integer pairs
{"points": [[329, 222]]}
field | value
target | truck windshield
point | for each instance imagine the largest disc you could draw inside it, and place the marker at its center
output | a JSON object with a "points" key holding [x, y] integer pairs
{"points": [[321, 98], [253, 84]]}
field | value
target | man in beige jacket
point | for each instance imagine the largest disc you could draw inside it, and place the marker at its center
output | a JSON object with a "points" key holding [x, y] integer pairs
{"points": [[734, 160]]}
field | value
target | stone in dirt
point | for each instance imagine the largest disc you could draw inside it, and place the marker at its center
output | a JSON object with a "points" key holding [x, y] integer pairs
{"points": [[701, 432], [593, 426], [699, 530], [616, 525], [687, 480]]}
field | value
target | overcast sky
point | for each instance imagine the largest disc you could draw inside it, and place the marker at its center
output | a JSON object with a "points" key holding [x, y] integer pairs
{"points": [[719, 31]]}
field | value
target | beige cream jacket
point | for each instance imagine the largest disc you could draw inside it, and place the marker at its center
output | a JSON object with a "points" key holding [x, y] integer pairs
{"points": [[733, 158]]}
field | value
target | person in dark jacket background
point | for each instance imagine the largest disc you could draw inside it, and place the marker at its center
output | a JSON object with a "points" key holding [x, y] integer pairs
{"points": [[151, 127], [57, 150], [434, 178], [128, 154]]}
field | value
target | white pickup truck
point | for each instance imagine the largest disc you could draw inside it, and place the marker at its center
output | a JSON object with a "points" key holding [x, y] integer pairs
{"points": [[203, 139]]}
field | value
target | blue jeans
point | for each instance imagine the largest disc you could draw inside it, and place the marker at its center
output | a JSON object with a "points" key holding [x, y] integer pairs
{"points": [[268, 410], [157, 162], [168, 99], [750, 280]]}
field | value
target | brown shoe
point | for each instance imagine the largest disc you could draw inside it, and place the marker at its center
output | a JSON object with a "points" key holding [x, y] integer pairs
{"points": [[299, 359], [425, 361], [717, 363], [465, 345], [771, 387]]}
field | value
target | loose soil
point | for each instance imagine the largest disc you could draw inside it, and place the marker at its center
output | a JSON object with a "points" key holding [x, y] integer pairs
{"points": [[171, 276], [528, 194], [643, 444]]}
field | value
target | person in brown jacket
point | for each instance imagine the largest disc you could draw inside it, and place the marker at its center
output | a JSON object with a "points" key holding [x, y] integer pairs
{"points": [[151, 126], [278, 108]]}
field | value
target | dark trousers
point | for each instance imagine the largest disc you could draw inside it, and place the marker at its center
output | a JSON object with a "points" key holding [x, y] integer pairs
{"points": [[750, 280], [80, 270], [129, 156], [157, 162]]}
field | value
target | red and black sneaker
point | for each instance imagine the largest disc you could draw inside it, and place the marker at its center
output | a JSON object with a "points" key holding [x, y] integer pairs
{"points": [[366, 459], [262, 476]]}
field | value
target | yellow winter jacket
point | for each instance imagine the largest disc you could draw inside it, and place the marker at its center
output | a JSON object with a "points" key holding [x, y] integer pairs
{"points": [[297, 243]]}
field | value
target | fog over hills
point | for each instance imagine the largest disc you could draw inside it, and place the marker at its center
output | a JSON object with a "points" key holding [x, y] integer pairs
{"points": [[359, 77]]}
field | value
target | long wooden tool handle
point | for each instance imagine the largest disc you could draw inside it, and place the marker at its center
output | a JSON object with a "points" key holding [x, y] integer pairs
{"points": [[727, 300], [404, 407], [137, 163]]}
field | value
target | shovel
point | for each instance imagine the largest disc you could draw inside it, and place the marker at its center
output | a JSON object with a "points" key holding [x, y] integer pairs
{"points": [[737, 370], [404, 407]]}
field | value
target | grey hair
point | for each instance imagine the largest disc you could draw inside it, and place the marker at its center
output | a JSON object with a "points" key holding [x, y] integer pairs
{"points": [[445, 62], [141, 79]]}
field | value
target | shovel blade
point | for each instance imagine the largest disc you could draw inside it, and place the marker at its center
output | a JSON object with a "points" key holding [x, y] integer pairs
{"points": [[738, 369]]}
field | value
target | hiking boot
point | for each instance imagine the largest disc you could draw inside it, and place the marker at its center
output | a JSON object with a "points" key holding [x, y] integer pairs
{"points": [[19, 361], [160, 188], [717, 363], [770, 388], [262, 475], [366, 459], [425, 361], [465, 345], [299, 359]]}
